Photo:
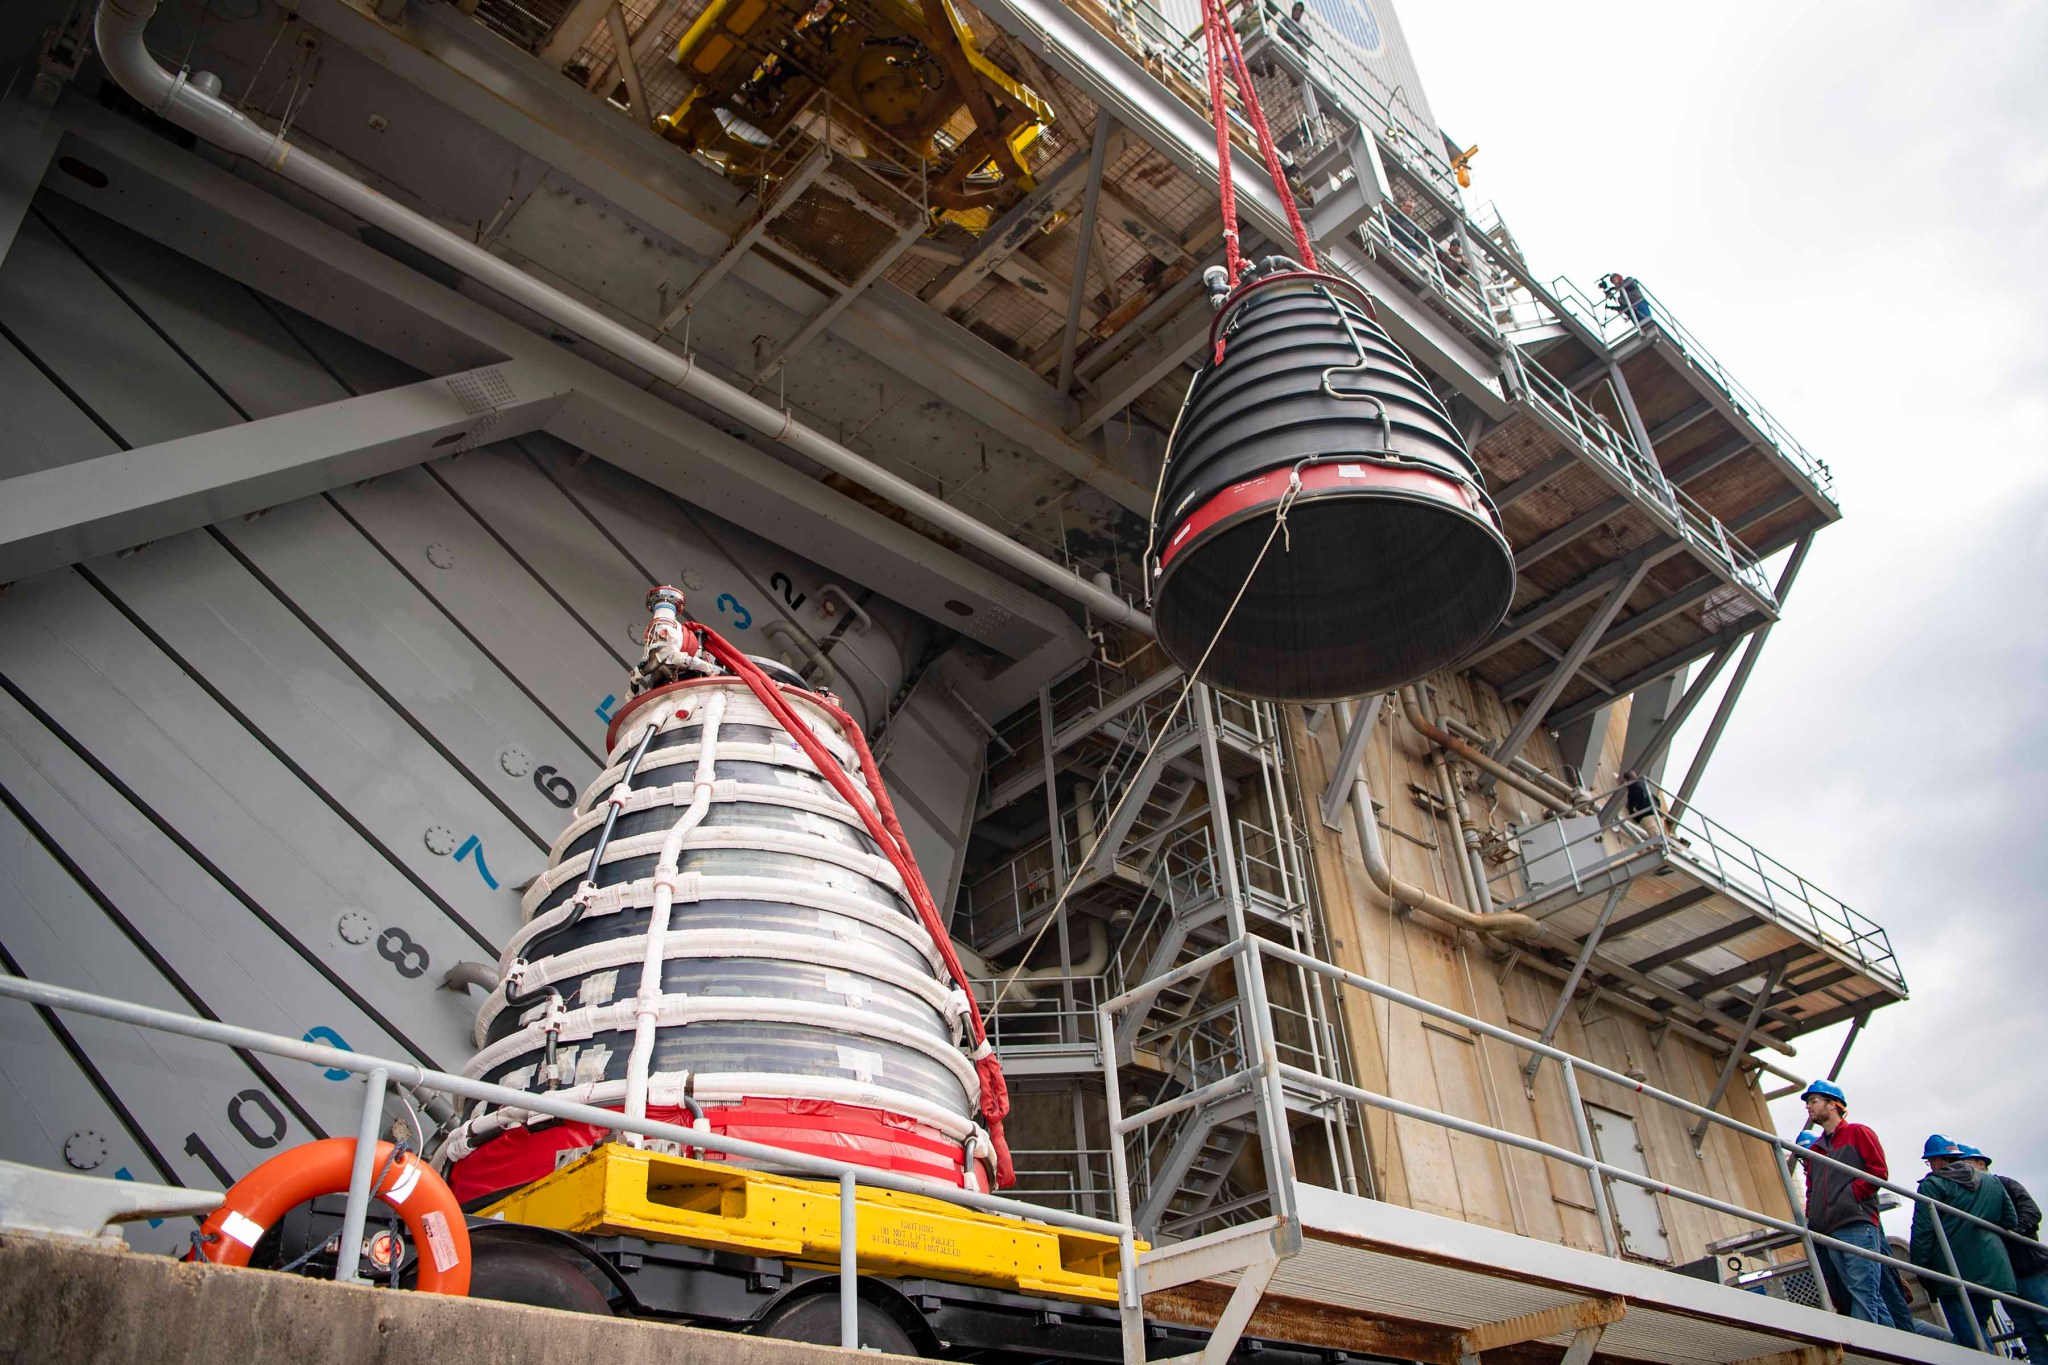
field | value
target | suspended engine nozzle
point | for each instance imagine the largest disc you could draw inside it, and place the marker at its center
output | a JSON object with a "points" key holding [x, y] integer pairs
{"points": [[1391, 563]]}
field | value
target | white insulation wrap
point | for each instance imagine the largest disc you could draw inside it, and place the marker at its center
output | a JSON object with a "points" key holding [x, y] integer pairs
{"points": [[740, 924]]}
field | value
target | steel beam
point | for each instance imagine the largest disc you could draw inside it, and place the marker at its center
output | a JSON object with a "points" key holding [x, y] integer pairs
{"points": [[1711, 460], [526, 103], [1842, 1056], [28, 141], [1721, 642], [1084, 246], [1345, 773], [1678, 422], [1652, 753], [1693, 946], [215, 217], [1662, 910], [1566, 600], [1587, 947], [1728, 1068], [1173, 345], [1704, 754], [1779, 962], [1577, 528], [1535, 479], [1568, 667], [1019, 225], [1099, 67], [73, 512]]}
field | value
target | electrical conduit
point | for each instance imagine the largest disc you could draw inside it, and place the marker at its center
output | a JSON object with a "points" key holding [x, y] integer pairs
{"points": [[118, 32], [1411, 706], [647, 999]]}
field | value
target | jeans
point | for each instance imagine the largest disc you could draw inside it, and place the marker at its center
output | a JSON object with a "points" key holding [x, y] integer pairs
{"points": [[1861, 1276], [1959, 1320], [2033, 1328]]}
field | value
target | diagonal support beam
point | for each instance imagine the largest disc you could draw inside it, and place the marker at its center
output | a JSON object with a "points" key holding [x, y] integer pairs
{"points": [[53, 517], [1570, 987], [1704, 754], [1544, 1322], [1010, 233], [1568, 667], [1077, 292], [1348, 758], [1735, 1054]]}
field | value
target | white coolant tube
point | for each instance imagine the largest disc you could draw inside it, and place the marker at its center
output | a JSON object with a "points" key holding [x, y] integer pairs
{"points": [[647, 1000]]}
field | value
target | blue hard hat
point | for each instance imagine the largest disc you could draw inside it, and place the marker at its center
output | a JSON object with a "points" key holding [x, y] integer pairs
{"points": [[1826, 1090], [1937, 1145], [1806, 1139], [1967, 1150]]}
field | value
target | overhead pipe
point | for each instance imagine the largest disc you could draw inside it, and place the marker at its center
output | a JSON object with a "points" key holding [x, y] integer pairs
{"points": [[1401, 893], [187, 99], [1411, 706]]}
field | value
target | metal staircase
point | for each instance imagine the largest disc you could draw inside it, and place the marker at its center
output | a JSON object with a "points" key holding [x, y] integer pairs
{"points": [[1177, 823]]}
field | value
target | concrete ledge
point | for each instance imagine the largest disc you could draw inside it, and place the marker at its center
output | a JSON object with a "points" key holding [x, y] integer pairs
{"points": [[68, 1303]]}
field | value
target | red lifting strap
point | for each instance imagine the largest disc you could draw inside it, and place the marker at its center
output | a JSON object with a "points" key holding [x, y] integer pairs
{"points": [[1223, 49], [887, 832]]}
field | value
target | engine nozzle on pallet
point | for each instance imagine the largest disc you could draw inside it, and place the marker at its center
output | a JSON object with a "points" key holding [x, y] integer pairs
{"points": [[1390, 563]]}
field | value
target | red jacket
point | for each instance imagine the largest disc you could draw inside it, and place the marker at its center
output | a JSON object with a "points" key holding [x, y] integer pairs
{"points": [[1836, 1199]]}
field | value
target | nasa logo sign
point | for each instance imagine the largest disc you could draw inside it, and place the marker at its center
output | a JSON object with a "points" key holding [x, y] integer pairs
{"points": [[1352, 20]]}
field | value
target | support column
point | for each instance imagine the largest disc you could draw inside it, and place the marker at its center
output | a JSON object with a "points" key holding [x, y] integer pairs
{"points": [[28, 139], [1568, 667], [1735, 1053]]}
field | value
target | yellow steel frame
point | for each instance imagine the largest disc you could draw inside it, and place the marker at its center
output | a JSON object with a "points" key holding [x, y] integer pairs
{"points": [[621, 1190]]}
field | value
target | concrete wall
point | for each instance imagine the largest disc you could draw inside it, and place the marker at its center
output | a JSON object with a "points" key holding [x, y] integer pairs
{"points": [[64, 1303]]}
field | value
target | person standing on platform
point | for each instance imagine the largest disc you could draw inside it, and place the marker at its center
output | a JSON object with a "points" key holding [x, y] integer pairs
{"points": [[1843, 1207], [2029, 1261], [1980, 1255]]}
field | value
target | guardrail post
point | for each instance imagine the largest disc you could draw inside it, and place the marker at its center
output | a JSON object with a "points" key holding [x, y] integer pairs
{"points": [[1820, 1279], [1130, 1297], [1585, 1135], [849, 1264], [1948, 1255], [350, 1254]]}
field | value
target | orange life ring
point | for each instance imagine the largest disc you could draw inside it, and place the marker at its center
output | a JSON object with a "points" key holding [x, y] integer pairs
{"points": [[440, 1232]]}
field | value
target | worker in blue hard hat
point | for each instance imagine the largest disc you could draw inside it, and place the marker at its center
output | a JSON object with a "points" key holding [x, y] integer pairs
{"points": [[2029, 1260], [1844, 1207], [1980, 1255]]}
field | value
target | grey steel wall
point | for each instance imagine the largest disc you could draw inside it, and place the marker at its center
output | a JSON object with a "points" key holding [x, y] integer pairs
{"points": [[288, 770]]}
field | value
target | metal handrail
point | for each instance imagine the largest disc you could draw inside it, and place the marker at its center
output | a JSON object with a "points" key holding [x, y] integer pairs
{"points": [[384, 1071], [1720, 855], [1625, 318], [1278, 1073], [1570, 1065]]}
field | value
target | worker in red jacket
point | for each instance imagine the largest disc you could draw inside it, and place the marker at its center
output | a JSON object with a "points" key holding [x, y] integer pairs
{"points": [[1844, 1207]]}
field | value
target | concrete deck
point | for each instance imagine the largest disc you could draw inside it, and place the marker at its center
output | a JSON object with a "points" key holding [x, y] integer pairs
{"points": [[69, 1303]]}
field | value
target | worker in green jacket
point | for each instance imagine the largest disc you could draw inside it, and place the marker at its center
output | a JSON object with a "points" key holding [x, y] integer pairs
{"points": [[1980, 1253]]}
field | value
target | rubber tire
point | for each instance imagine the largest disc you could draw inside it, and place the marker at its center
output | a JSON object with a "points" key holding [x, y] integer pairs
{"points": [[814, 1318], [511, 1272]]}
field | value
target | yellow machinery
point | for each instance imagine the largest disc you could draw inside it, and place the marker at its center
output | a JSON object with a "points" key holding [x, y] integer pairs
{"points": [[618, 1190], [899, 74]]}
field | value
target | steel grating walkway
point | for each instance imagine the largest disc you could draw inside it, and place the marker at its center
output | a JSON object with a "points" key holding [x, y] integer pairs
{"points": [[1380, 1278]]}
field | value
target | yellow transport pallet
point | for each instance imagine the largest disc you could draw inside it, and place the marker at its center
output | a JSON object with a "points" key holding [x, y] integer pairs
{"points": [[621, 1190]]}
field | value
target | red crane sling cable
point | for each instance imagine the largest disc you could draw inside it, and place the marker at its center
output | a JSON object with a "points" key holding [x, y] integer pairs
{"points": [[1224, 50], [887, 832]]}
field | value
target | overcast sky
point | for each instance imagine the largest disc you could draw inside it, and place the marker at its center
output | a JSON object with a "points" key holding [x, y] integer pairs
{"points": [[1849, 206]]}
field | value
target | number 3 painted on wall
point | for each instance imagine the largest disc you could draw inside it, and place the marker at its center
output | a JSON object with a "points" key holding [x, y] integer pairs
{"points": [[741, 617]]}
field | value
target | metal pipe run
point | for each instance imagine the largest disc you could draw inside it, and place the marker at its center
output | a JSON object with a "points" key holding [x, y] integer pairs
{"points": [[1374, 855], [118, 32], [1411, 706]]}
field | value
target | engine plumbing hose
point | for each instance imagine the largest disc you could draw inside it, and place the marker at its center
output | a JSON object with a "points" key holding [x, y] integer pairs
{"points": [[879, 816]]}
